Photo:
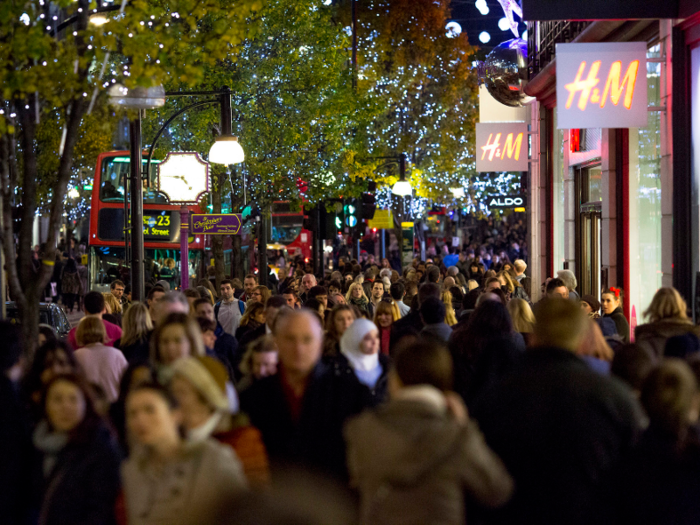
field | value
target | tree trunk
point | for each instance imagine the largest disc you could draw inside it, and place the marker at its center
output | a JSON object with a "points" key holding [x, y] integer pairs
{"points": [[236, 257]]}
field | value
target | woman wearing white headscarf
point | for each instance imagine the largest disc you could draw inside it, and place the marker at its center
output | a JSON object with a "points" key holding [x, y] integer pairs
{"points": [[360, 356]]}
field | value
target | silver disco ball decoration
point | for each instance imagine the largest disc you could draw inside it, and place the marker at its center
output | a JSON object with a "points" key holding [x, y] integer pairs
{"points": [[504, 72]]}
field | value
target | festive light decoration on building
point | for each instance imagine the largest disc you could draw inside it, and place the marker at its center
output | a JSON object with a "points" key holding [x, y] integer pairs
{"points": [[511, 7]]}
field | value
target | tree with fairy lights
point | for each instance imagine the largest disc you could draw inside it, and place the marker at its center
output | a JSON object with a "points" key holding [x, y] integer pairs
{"points": [[52, 67], [293, 111]]}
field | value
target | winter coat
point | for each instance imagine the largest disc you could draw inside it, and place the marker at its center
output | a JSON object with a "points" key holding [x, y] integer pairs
{"points": [[138, 352], [621, 324], [82, 485], [70, 283], [247, 442], [187, 491], [653, 336], [316, 439], [439, 332], [377, 394], [562, 430], [413, 464]]}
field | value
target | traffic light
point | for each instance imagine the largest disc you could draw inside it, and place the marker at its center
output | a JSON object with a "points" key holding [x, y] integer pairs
{"points": [[369, 201], [350, 213]]}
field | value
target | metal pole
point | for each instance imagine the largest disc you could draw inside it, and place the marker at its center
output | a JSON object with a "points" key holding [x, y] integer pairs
{"points": [[383, 241], [316, 232], [184, 248], [263, 270], [137, 279]]}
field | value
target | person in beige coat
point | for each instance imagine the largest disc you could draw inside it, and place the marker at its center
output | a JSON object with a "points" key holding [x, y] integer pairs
{"points": [[416, 459], [166, 479]]}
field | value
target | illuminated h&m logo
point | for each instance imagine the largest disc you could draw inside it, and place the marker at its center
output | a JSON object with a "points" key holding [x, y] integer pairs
{"points": [[601, 85], [501, 147]]}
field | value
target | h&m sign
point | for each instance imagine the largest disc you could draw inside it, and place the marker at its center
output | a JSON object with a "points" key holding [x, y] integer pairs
{"points": [[501, 146], [507, 202], [602, 85]]}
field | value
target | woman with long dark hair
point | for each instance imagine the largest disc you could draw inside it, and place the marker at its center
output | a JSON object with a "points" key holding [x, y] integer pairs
{"points": [[77, 470]]}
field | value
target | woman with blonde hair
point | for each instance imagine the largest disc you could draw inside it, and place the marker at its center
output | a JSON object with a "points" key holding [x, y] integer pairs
{"points": [[522, 317], [136, 330], [515, 289], [667, 318], [356, 296], [594, 350], [450, 316]]}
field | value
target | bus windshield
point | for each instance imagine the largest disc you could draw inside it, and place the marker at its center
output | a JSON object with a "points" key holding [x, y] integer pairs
{"points": [[115, 170]]}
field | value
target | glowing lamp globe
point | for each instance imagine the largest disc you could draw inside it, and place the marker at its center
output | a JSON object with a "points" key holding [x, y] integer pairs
{"points": [[402, 188], [226, 150]]}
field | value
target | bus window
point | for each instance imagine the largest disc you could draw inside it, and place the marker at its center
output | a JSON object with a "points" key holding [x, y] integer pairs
{"points": [[115, 170]]}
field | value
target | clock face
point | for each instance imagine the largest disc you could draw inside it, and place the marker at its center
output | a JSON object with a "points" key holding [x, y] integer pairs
{"points": [[183, 177]]}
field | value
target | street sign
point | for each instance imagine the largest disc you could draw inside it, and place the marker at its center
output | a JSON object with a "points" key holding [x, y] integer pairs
{"points": [[383, 219], [183, 177], [602, 85], [501, 147], [216, 224], [507, 202]]}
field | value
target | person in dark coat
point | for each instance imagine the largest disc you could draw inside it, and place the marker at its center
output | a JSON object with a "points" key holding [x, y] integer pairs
{"points": [[561, 429], [300, 411], [411, 324], [611, 301], [15, 444], [661, 479], [226, 348], [77, 467], [432, 313]]}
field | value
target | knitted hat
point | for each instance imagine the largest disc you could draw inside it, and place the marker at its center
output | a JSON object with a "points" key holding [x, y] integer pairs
{"points": [[207, 376], [592, 302]]}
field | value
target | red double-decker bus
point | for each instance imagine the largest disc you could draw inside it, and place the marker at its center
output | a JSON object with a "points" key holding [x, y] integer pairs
{"points": [[161, 228]]}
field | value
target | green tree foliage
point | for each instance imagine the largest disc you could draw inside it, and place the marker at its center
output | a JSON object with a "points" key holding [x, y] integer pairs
{"points": [[57, 76]]}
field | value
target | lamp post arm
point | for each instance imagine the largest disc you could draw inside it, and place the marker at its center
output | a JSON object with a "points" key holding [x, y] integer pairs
{"points": [[167, 123]]}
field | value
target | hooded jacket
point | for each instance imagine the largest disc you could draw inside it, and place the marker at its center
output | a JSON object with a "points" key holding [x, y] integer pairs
{"points": [[653, 336], [413, 464]]}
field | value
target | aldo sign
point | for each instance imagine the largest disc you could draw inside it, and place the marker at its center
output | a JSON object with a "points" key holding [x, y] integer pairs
{"points": [[501, 147], [507, 202], [602, 85]]}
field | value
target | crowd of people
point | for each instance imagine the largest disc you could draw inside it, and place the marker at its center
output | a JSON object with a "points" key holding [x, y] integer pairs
{"points": [[438, 394]]}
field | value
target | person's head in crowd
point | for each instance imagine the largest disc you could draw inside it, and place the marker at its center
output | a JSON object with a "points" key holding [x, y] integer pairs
{"points": [[112, 304], [428, 290], [208, 329], [494, 283], [116, 288], [338, 299], [447, 298], [308, 282], [377, 291], [560, 324], [254, 315], [260, 359], [199, 386], [46, 333], [433, 274], [448, 283], [259, 294], [632, 364], [204, 308], [507, 267], [205, 293], [336, 276], [683, 346], [356, 293], [521, 315], [335, 287], [453, 271], [590, 304], [94, 304], [290, 298], [226, 290], [136, 324], [670, 397], [519, 266], [250, 281], [315, 306], [569, 279], [411, 290], [495, 294], [177, 336], [273, 306], [594, 344], [153, 298], [320, 294], [470, 300], [51, 359], [421, 362], [340, 318], [360, 345], [507, 281], [299, 339], [11, 356], [192, 295], [667, 304], [153, 417], [385, 272], [68, 407], [611, 299], [397, 291], [432, 310], [384, 315], [557, 288], [90, 331], [472, 285], [171, 302], [236, 283]]}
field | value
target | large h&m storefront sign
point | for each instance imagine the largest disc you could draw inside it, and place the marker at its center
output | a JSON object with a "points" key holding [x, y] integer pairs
{"points": [[602, 85], [501, 147]]}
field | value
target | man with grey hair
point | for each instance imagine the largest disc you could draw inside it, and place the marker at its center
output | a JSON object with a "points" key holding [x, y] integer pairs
{"points": [[571, 283], [452, 271], [301, 410], [385, 273], [169, 303]]}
